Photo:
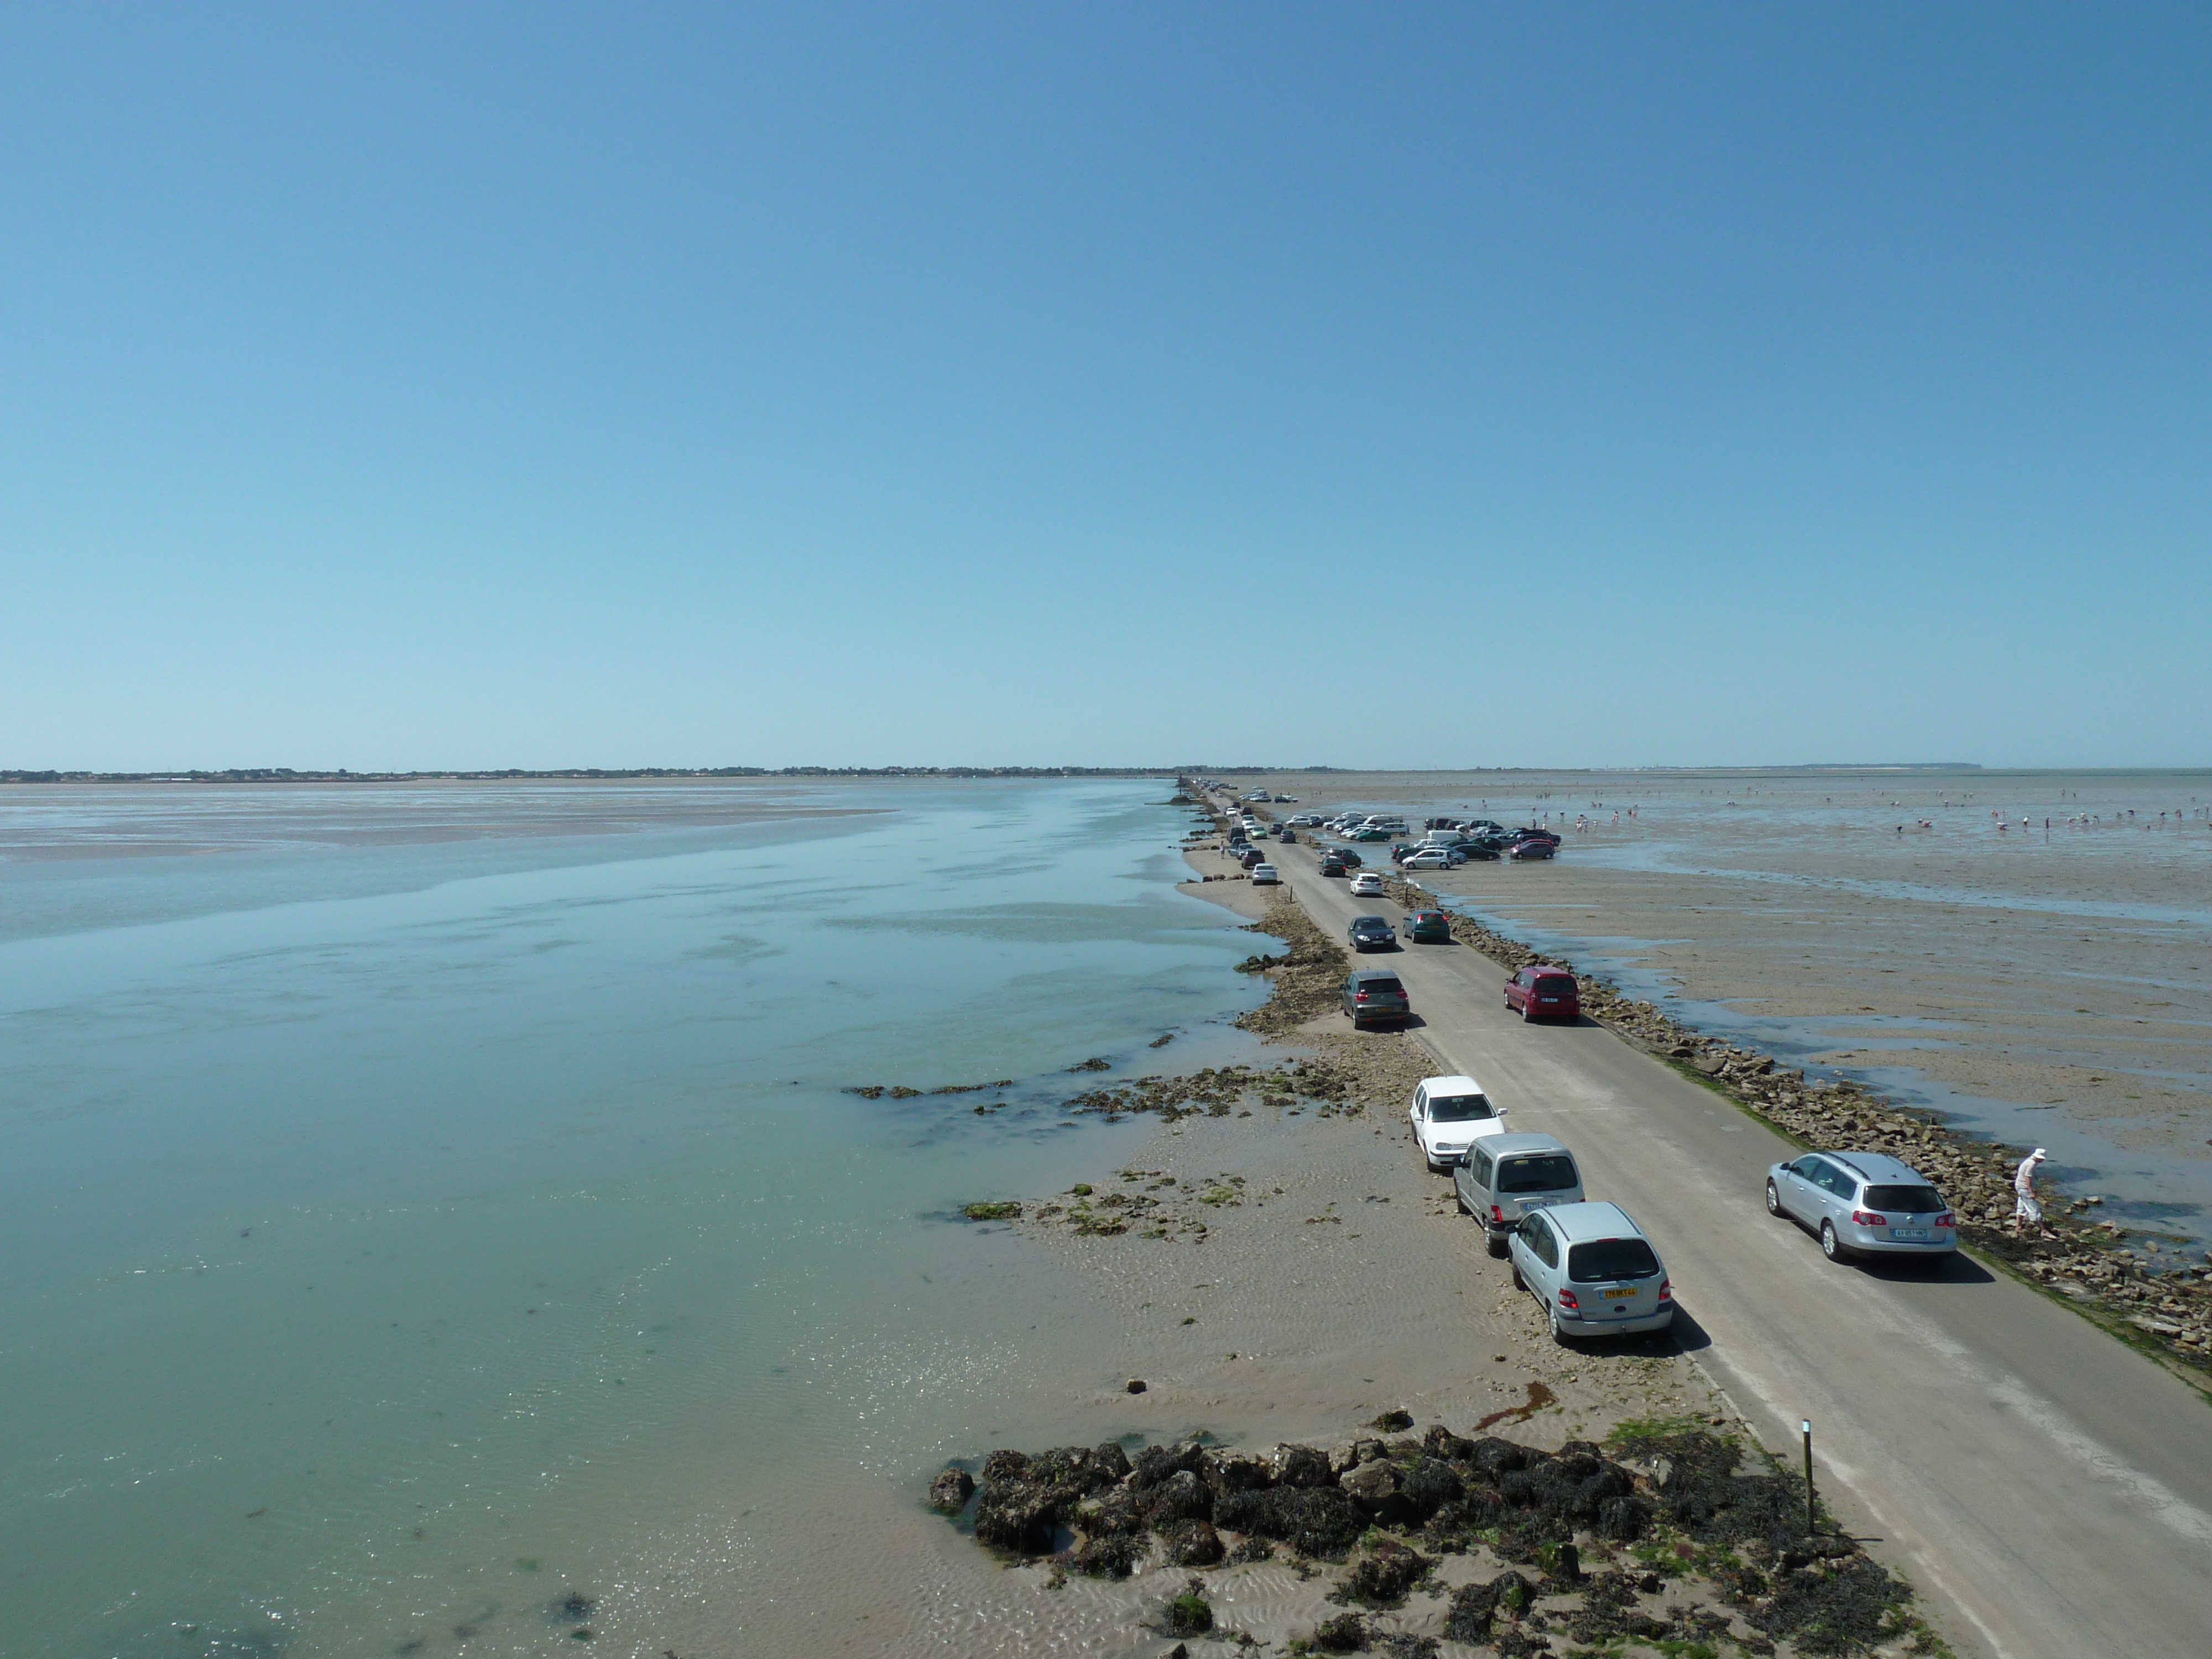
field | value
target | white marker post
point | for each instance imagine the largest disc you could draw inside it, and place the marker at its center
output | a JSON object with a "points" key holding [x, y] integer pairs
{"points": [[1810, 1529]]}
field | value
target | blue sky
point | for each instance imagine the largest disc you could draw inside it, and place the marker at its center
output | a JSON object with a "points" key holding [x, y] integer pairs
{"points": [[391, 386]]}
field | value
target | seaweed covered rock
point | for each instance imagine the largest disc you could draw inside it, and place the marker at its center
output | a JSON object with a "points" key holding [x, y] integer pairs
{"points": [[1315, 1520], [1302, 1466], [1476, 1607], [1239, 1471], [1493, 1458], [1429, 1486], [1192, 1544], [1026, 1500], [1440, 1443], [1156, 1464], [1188, 1613], [949, 1492], [1381, 1580], [1345, 1633], [1181, 1497]]}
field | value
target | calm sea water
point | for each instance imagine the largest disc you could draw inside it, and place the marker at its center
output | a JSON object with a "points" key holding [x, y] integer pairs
{"points": [[417, 1208]]}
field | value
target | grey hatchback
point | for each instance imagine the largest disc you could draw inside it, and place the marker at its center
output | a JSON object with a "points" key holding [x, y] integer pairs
{"points": [[1863, 1203], [1375, 993]]}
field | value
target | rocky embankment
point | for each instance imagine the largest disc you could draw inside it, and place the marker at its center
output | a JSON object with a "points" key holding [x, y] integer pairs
{"points": [[2137, 1283], [1669, 1537]]}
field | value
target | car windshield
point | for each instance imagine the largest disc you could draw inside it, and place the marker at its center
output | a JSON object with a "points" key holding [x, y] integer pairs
{"points": [[1461, 1108], [1555, 987], [1611, 1258], [1369, 924], [1913, 1200], [1549, 1173], [1389, 987]]}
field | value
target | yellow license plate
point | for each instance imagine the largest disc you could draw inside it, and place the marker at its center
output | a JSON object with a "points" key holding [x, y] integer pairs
{"points": [[1614, 1296]]}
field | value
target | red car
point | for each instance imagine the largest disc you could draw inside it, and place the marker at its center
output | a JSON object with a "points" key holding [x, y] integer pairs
{"points": [[1542, 993]]}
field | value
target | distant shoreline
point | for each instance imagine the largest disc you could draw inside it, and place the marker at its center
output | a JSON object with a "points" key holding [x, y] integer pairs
{"points": [[510, 775]]}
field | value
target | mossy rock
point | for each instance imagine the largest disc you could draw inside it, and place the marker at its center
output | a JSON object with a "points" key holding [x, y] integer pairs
{"points": [[999, 1212]]}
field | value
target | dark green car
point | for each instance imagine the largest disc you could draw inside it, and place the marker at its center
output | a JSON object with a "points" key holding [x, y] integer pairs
{"points": [[1426, 928]]}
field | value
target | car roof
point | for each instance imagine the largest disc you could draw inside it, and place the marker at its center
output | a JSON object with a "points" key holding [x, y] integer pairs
{"points": [[1356, 920], [1457, 1083], [1877, 1166], [1373, 973], [1514, 1144], [1579, 1223]]}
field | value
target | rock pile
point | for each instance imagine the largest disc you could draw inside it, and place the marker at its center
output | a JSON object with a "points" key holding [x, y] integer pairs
{"points": [[2153, 1297], [1662, 1504]]}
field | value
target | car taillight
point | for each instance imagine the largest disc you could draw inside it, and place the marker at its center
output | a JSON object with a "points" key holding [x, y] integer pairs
{"points": [[1868, 1218], [1359, 996], [1567, 1300], [1498, 1215], [1665, 1290], [1946, 1219]]}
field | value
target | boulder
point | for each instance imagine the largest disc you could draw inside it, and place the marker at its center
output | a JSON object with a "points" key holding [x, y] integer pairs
{"points": [[1192, 1544], [1302, 1466], [949, 1492], [1181, 1497]]}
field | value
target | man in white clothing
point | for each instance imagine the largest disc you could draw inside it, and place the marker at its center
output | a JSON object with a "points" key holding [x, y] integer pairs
{"points": [[2024, 1207]]}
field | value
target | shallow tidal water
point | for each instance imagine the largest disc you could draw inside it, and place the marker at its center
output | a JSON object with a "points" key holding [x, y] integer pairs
{"points": [[437, 1222]]}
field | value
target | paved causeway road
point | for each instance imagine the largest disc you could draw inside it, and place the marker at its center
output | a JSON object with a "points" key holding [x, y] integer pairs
{"points": [[2049, 1489]]}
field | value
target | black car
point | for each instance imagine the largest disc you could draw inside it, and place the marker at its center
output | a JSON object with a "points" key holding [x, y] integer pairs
{"points": [[1333, 867], [1373, 933], [1347, 856], [1482, 852]]}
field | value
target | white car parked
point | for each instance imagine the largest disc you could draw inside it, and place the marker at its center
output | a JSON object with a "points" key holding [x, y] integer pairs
{"points": [[1367, 883], [1262, 874], [1449, 1114]]}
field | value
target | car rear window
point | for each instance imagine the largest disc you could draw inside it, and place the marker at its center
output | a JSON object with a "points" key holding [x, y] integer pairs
{"points": [[1549, 1173], [1553, 985], [1389, 987], [1611, 1258], [1461, 1108], [1913, 1200]]}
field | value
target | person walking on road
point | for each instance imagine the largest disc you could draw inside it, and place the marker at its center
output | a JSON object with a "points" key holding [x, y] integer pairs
{"points": [[2025, 1207]]}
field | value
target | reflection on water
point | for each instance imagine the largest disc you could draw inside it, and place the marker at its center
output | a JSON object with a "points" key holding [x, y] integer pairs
{"points": [[496, 1252]]}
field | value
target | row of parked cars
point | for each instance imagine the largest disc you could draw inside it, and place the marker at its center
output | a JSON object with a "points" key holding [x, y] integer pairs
{"points": [[1589, 1264]]}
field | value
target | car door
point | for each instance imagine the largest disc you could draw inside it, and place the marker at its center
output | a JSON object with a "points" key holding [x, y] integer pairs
{"points": [[1516, 992], [1537, 1249], [1795, 1187], [1420, 1116], [1832, 1192], [1471, 1179]]}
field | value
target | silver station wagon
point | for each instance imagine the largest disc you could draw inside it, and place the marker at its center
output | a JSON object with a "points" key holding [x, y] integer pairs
{"points": [[1500, 1179], [1863, 1203], [1594, 1272]]}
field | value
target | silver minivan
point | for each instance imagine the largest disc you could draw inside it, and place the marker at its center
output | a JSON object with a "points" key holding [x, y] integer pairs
{"points": [[1863, 1203], [1594, 1271], [1504, 1178]]}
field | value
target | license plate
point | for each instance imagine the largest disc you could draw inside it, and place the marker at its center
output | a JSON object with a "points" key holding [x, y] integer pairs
{"points": [[1908, 1232], [1614, 1296]]}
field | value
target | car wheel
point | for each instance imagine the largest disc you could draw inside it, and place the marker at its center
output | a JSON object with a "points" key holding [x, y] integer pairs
{"points": [[1459, 1199], [1831, 1246], [1497, 1244], [1558, 1335], [1519, 1283], [1773, 1199], [1526, 1017]]}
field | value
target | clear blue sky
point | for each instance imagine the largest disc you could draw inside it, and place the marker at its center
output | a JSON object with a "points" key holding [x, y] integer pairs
{"points": [[536, 384]]}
